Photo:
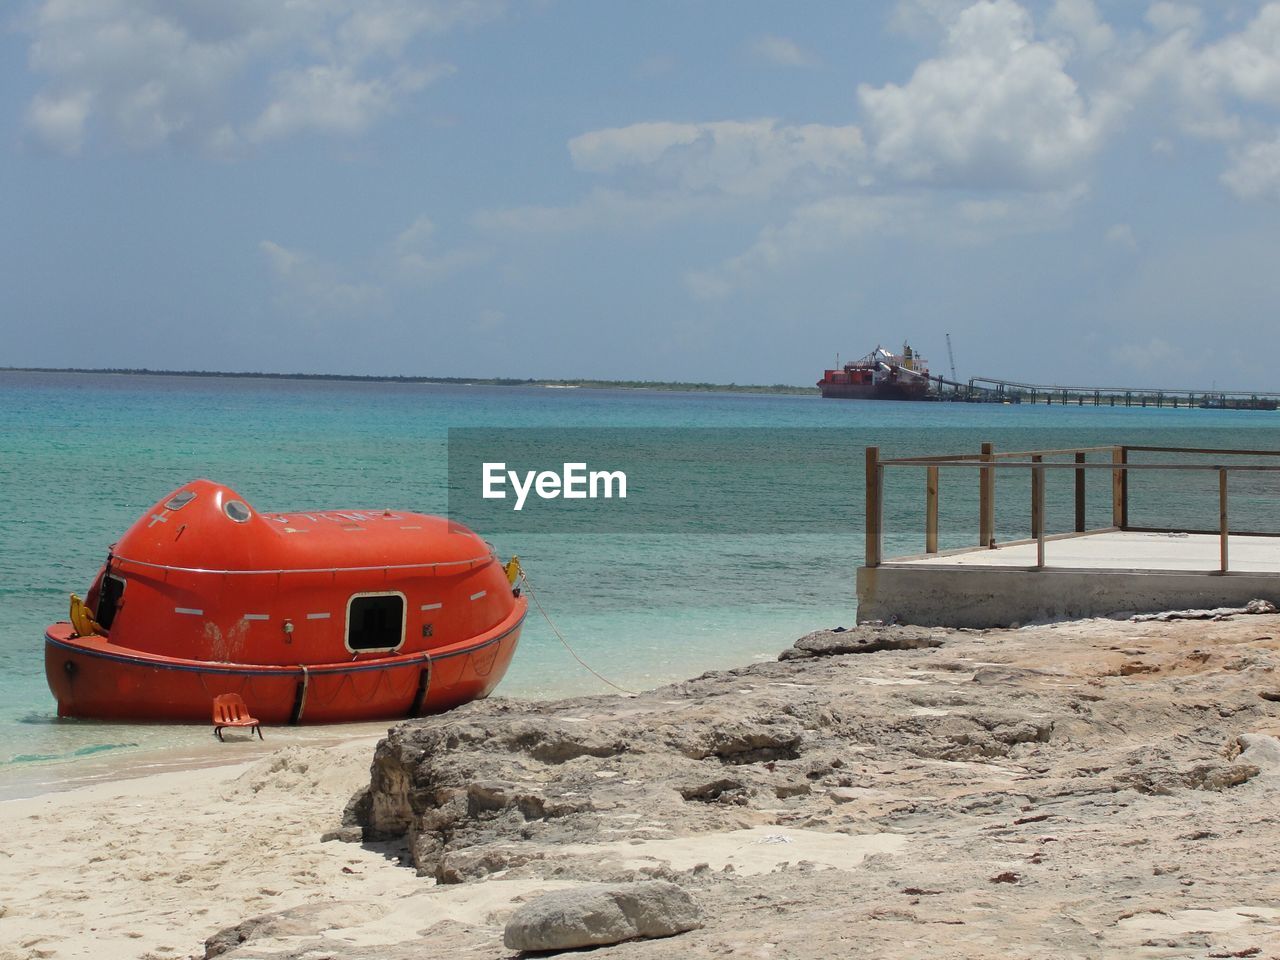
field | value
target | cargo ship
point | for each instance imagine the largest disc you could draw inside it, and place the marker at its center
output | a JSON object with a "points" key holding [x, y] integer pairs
{"points": [[880, 375]]}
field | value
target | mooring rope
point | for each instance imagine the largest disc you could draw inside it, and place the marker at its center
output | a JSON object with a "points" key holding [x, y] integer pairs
{"points": [[559, 636]]}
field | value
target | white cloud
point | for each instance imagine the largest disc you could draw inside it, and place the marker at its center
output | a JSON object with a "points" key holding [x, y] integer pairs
{"points": [[751, 157], [334, 100], [1169, 17], [996, 108], [284, 262], [667, 171], [601, 208], [996, 122], [312, 289], [59, 121], [811, 228], [416, 258], [1120, 235], [1156, 356], [925, 19], [1079, 19], [782, 52], [144, 73], [1247, 64], [417, 235], [1254, 171], [840, 223], [374, 28], [1209, 89]]}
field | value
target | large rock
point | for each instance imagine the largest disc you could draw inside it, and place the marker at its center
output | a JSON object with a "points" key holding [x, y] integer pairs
{"points": [[496, 784], [599, 914], [866, 638], [306, 920], [1260, 750]]}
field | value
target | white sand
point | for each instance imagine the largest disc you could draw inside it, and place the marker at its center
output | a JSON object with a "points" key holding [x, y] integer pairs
{"points": [[148, 867]]}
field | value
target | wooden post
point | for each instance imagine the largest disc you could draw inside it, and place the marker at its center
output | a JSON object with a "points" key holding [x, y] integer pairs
{"points": [[987, 500], [931, 511], [875, 505], [1222, 517], [1120, 488], [1037, 510], [1080, 518]]}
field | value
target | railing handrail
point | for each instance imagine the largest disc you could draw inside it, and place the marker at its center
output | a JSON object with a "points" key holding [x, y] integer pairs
{"points": [[1068, 465], [989, 461], [1205, 451], [1065, 451], [1060, 451]]}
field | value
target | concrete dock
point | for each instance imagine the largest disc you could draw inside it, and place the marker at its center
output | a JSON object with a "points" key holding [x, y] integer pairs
{"points": [[1087, 574]]}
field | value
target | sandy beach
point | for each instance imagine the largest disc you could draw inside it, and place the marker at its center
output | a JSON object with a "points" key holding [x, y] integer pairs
{"points": [[1083, 789]]}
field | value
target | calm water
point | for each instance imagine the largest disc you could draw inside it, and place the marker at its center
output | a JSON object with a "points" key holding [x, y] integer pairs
{"points": [[82, 456]]}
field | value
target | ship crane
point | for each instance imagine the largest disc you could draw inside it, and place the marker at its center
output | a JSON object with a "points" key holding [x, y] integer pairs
{"points": [[951, 357]]}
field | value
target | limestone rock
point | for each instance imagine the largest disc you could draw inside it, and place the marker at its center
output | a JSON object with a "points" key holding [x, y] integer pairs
{"points": [[356, 811], [1253, 607], [1260, 750], [301, 921], [601, 914], [866, 638]]}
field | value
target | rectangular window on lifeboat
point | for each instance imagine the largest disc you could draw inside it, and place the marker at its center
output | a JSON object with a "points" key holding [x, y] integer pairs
{"points": [[375, 621], [110, 593]]}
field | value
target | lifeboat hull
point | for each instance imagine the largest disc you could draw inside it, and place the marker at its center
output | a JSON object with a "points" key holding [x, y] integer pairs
{"points": [[92, 677]]}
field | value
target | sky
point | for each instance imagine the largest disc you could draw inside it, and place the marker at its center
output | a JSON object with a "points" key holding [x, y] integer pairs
{"points": [[1078, 192]]}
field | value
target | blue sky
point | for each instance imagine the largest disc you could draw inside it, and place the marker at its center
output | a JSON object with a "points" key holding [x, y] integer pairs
{"points": [[1077, 191]]}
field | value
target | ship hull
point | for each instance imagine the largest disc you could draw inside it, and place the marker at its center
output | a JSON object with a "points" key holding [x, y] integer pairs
{"points": [[876, 391]]}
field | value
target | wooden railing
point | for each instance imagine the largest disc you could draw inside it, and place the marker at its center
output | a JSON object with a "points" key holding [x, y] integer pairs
{"points": [[988, 463]]}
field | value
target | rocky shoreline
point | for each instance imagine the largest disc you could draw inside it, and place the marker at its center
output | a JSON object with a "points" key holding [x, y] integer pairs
{"points": [[1087, 789], [1077, 789]]}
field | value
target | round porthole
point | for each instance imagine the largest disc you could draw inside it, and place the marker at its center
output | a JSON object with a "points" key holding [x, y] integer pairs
{"points": [[237, 510]]}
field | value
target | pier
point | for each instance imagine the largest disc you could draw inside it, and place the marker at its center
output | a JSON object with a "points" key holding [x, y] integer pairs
{"points": [[1072, 573], [995, 390], [883, 375]]}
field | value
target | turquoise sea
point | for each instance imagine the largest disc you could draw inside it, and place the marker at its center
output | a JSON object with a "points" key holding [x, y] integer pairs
{"points": [[81, 456]]}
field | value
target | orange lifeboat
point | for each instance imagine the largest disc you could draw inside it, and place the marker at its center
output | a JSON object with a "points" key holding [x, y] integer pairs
{"points": [[312, 617]]}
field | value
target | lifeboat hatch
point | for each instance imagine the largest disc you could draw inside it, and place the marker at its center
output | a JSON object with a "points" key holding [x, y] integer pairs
{"points": [[375, 621], [110, 594]]}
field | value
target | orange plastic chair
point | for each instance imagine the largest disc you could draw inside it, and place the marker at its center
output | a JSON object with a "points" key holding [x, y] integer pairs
{"points": [[229, 710]]}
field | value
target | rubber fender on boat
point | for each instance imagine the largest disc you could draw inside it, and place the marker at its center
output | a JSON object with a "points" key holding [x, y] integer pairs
{"points": [[84, 624]]}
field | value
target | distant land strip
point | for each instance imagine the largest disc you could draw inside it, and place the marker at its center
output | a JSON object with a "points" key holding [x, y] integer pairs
{"points": [[673, 386]]}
